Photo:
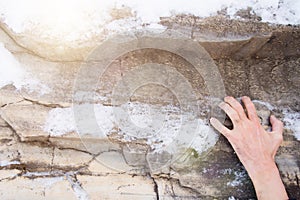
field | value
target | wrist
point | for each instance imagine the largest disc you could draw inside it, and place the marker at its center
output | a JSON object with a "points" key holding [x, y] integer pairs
{"points": [[262, 171], [267, 182]]}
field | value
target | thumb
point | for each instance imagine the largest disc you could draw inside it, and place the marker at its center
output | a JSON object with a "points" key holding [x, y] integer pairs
{"points": [[277, 125]]}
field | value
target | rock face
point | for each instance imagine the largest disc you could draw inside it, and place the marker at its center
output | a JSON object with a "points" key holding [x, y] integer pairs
{"points": [[114, 137]]}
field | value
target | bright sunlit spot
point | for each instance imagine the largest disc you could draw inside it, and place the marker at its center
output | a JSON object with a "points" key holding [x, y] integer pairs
{"points": [[60, 20], [73, 20]]}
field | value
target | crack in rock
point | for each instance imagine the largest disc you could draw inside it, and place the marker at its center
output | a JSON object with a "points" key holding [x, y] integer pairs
{"points": [[80, 193]]}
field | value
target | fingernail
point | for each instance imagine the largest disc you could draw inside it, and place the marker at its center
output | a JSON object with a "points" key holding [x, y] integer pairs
{"points": [[273, 116], [211, 120]]}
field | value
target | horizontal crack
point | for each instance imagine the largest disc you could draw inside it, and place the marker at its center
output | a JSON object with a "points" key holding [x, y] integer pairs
{"points": [[50, 105]]}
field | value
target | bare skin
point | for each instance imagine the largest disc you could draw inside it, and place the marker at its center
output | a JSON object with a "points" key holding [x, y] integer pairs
{"points": [[255, 147]]}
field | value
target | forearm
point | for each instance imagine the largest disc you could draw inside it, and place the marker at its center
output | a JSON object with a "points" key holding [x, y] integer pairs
{"points": [[267, 183]]}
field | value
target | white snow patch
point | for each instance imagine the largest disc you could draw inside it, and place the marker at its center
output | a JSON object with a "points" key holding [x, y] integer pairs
{"points": [[4, 163], [13, 73], [292, 121], [205, 138], [60, 121], [48, 182], [80, 193], [70, 20], [291, 118], [159, 126], [42, 174], [239, 177]]}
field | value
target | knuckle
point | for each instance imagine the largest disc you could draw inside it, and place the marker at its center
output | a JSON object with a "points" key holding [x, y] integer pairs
{"points": [[280, 123], [280, 137], [236, 121], [235, 117]]}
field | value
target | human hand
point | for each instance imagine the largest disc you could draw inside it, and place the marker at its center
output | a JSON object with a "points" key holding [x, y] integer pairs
{"points": [[255, 147]]}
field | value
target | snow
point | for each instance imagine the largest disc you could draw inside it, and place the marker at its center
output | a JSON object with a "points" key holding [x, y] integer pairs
{"points": [[239, 177], [47, 182], [81, 20], [206, 139], [60, 121], [5, 163], [80, 193], [12, 72], [292, 119], [159, 126]]}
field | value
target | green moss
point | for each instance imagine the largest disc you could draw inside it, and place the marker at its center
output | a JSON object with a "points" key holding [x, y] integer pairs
{"points": [[193, 153]]}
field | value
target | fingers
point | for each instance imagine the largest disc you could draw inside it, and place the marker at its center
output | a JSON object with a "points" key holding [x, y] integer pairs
{"points": [[250, 109], [232, 113], [236, 106], [277, 125], [220, 127]]}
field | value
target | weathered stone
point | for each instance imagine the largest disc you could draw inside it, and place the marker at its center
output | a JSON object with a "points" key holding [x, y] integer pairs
{"points": [[84, 143], [135, 154], [48, 49], [235, 76], [217, 27], [9, 174], [68, 140], [282, 44], [253, 58], [159, 162], [8, 42], [34, 156], [214, 176], [39, 188], [6, 135], [170, 189], [68, 158], [120, 186], [290, 172], [236, 49], [111, 163], [250, 49], [9, 154], [30, 156], [9, 95], [276, 81], [2, 122], [57, 49], [56, 93], [27, 120], [165, 189], [224, 49]]}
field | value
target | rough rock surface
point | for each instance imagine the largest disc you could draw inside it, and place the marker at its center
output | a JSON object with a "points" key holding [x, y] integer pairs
{"points": [[253, 58]]}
